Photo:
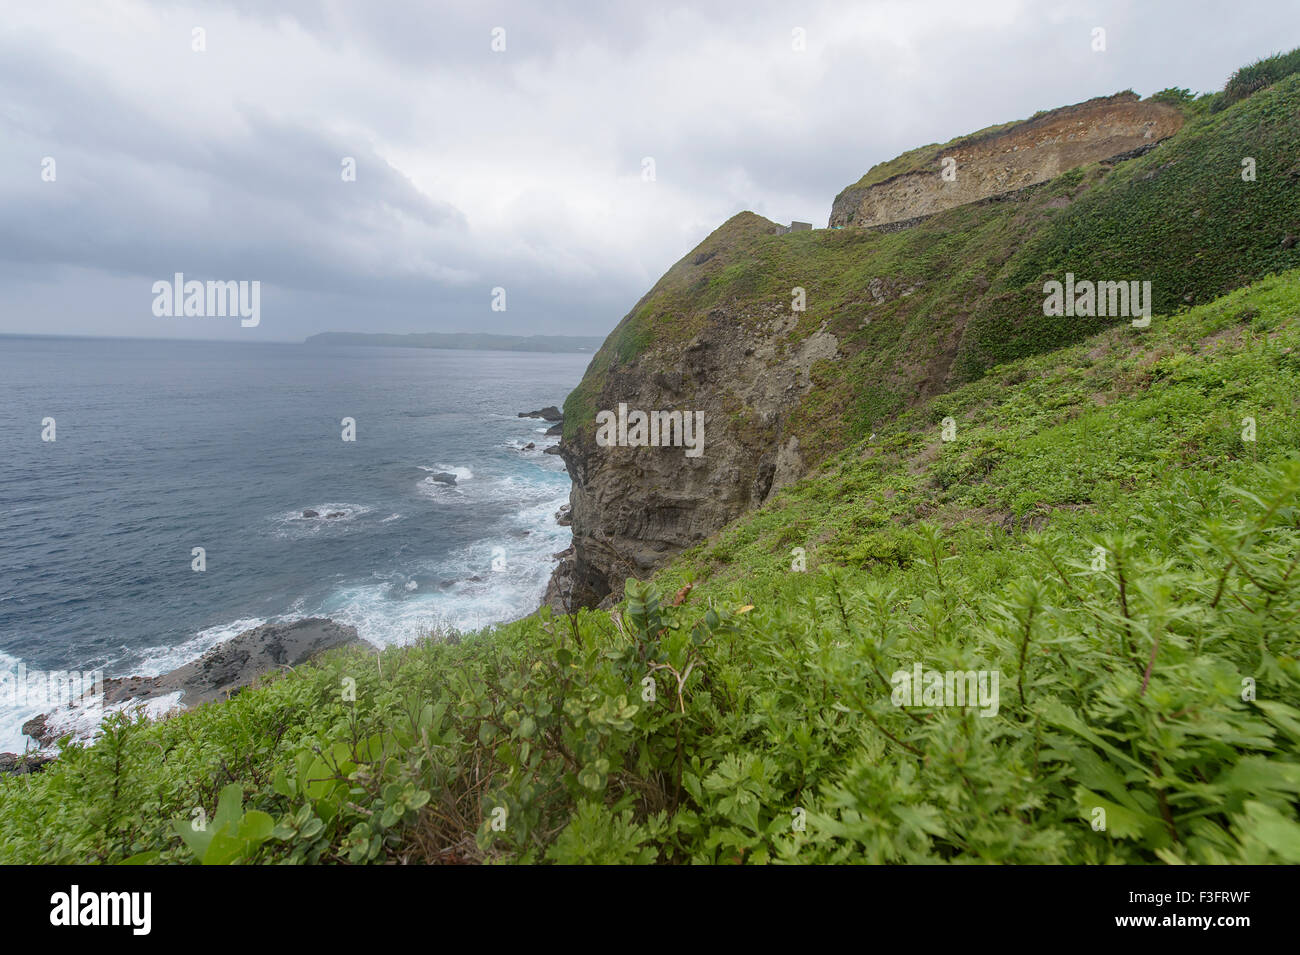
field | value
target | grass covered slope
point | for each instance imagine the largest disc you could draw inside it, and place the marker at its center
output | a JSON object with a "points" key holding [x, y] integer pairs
{"points": [[918, 311], [1098, 534]]}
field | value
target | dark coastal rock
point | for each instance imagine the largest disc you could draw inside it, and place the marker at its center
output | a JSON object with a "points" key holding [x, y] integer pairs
{"points": [[232, 665], [564, 516], [564, 582], [549, 413], [310, 513], [529, 446], [332, 515], [443, 477], [555, 430], [13, 764], [225, 669], [670, 381], [220, 673], [553, 449], [35, 728]]}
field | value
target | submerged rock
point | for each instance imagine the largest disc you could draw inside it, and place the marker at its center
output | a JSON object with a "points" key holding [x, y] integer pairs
{"points": [[549, 413], [310, 513], [443, 477]]}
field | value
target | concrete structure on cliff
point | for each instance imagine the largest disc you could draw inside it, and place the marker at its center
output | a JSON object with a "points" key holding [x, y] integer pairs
{"points": [[795, 226], [1008, 159]]}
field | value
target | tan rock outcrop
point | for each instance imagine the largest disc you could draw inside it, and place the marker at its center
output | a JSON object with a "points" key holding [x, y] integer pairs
{"points": [[1010, 159]]}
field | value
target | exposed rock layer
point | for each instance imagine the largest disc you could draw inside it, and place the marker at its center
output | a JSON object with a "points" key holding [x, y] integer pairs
{"points": [[635, 507], [1021, 155]]}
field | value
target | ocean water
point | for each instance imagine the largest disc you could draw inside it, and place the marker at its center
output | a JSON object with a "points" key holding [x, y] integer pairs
{"points": [[162, 447]]}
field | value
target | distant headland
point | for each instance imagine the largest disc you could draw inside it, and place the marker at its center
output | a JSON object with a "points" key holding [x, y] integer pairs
{"points": [[474, 341]]}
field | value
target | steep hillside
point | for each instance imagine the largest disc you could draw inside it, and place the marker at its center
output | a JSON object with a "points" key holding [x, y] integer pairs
{"points": [[894, 316], [1109, 544]]}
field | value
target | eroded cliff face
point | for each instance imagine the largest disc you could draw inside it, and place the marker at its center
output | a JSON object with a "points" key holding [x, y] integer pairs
{"points": [[1021, 155], [635, 507]]}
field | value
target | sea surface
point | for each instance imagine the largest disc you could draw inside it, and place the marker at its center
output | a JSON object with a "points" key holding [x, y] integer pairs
{"points": [[163, 447]]}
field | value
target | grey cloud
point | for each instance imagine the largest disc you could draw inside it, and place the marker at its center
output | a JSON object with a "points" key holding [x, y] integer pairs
{"points": [[522, 170]]}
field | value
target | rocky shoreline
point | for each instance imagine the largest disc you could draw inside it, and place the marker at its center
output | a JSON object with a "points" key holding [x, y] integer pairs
{"points": [[227, 668], [219, 674]]}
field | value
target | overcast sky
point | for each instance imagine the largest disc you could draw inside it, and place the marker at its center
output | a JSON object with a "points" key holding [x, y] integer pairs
{"points": [[520, 168]]}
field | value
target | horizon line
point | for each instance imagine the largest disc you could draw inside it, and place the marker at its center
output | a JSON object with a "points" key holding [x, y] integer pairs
{"points": [[274, 341]]}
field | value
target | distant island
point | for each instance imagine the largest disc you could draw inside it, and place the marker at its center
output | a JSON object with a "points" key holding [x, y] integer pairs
{"points": [[475, 341]]}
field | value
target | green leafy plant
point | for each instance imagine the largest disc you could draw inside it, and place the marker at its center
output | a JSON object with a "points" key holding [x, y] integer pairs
{"points": [[232, 835]]}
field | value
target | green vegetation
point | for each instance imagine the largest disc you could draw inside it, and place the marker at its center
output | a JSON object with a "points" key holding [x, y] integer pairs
{"points": [[1174, 96], [920, 310], [1098, 533], [1250, 79], [1183, 218]]}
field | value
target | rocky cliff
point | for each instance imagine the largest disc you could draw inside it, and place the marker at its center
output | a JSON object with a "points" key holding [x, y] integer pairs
{"points": [[795, 346], [1007, 158], [634, 507]]}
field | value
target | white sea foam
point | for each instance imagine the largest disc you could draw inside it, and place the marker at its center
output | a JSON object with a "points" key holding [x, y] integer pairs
{"points": [[13, 714], [462, 591], [83, 719], [462, 474], [494, 580], [501, 489], [293, 525], [153, 661]]}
